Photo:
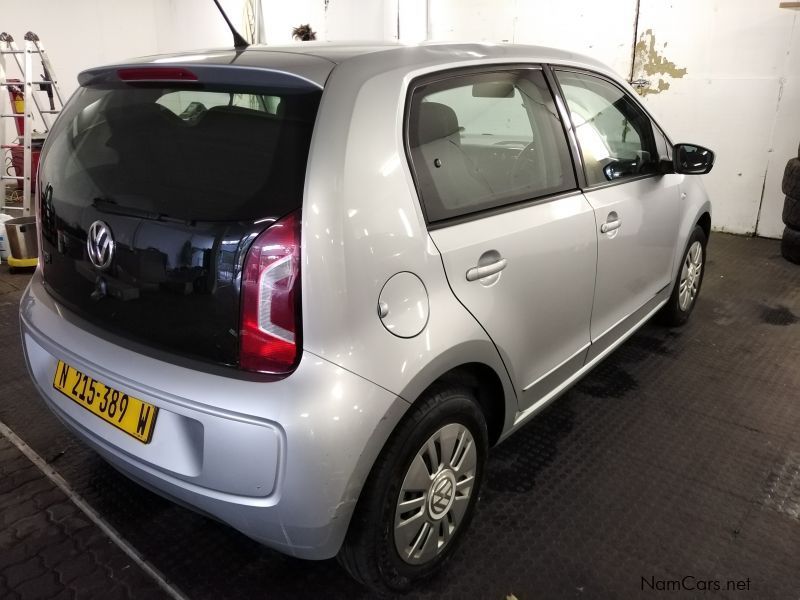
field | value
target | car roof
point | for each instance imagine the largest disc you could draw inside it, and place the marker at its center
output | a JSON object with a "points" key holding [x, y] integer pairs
{"points": [[314, 61], [338, 52]]}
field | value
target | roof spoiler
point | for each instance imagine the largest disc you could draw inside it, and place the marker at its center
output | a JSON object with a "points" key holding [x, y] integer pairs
{"points": [[238, 41], [193, 72]]}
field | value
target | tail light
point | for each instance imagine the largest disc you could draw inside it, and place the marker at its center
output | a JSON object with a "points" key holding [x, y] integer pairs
{"points": [[149, 74], [270, 331]]}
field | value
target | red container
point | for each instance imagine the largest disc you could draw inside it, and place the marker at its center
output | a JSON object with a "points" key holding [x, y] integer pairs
{"points": [[17, 103], [18, 160]]}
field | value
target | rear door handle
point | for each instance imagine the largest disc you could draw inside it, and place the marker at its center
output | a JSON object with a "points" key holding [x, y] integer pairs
{"points": [[610, 226], [476, 273]]}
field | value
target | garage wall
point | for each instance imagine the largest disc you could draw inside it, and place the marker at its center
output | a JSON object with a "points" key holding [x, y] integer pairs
{"points": [[725, 73], [734, 87], [83, 33], [602, 29], [785, 135], [333, 20], [192, 24]]}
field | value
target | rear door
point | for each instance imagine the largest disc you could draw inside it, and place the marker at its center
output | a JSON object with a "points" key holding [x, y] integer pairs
{"points": [[637, 208], [517, 237]]}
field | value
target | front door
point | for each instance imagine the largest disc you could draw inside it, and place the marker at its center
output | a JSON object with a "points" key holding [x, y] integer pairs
{"points": [[637, 208]]}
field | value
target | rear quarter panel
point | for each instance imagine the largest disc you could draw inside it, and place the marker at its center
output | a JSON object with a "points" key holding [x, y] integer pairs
{"points": [[362, 223]]}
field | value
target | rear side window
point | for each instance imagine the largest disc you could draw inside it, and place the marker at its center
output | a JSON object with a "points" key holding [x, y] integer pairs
{"points": [[486, 140], [615, 135], [191, 154]]}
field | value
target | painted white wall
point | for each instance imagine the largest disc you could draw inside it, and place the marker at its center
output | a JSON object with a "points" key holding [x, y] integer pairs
{"points": [[602, 29], [740, 96], [280, 17], [190, 24], [84, 33], [360, 20], [785, 135], [335, 20], [413, 20]]}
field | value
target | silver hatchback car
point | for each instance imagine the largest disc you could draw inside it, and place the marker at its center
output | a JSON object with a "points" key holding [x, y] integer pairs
{"points": [[304, 289]]}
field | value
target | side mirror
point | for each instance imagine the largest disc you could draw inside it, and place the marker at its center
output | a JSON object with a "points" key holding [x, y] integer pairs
{"points": [[621, 168], [690, 159]]}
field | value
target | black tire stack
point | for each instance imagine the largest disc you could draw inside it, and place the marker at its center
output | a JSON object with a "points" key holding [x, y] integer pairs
{"points": [[790, 245]]}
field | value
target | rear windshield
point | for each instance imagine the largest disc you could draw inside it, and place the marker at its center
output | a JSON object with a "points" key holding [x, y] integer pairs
{"points": [[185, 153]]}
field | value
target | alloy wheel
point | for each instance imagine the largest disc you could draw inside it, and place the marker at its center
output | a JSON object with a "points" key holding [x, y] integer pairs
{"points": [[691, 274], [435, 494]]}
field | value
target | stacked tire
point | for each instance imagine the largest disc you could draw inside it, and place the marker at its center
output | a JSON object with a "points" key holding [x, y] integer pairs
{"points": [[790, 245]]}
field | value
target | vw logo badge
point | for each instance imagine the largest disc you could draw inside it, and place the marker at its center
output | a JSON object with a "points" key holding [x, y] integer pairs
{"points": [[100, 245], [441, 495]]}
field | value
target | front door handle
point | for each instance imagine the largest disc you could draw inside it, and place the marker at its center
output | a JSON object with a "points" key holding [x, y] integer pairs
{"points": [[494, 268]]}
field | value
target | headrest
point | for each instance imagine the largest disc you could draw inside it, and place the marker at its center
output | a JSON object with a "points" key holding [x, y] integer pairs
{"points": [[436, 121]]}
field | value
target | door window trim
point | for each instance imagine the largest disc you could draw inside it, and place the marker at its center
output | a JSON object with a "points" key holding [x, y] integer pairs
{"points": [[499, 210], [456, 72], [552, 70]]}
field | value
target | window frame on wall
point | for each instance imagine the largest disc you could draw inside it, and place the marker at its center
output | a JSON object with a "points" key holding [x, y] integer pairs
{"points": [[502, 204], [657, 131]]}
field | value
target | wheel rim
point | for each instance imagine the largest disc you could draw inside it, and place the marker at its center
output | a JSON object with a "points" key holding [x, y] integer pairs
{"points": [[435, 494], [690, 276]]}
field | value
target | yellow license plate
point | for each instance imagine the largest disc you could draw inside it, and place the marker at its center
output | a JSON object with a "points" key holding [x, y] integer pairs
{"points": [[131, 415]]}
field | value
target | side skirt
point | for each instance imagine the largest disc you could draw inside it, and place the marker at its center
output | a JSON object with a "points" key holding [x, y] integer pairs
{"points": [[599, 349]]}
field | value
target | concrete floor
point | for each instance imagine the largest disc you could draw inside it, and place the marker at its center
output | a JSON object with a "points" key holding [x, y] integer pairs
{"points": [[676, 462]]}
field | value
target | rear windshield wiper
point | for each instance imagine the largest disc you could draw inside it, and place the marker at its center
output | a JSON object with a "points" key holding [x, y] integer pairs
{"points": [[107, 205]]}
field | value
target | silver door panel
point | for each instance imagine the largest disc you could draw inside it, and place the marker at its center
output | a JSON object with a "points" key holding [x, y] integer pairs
{"points": [[537, 308], [595, 354], [622, 330], [634, 255]]}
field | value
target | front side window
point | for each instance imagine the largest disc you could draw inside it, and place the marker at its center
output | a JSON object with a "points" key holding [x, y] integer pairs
{"points": [[615, 136], [486, 140]]}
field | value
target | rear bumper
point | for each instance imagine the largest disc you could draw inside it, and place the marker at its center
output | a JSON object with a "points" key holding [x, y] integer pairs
{"points": [[283, 462]]}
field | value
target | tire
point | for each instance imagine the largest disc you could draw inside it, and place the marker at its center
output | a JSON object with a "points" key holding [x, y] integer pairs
{"points": [[790, 245], [791, 178], [791, 212], [681, 303], [371, 552]]}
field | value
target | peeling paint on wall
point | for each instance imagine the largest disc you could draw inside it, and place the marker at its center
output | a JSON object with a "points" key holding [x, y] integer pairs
{"points": [[650, 61]]}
